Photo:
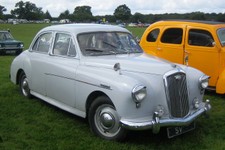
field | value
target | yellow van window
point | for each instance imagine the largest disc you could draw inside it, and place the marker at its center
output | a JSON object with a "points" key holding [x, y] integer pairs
{"points": [[172, 36], [197, 37], [153, 35]]}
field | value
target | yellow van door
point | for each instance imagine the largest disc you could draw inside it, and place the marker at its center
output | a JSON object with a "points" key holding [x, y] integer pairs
{"points": [[202, 52], [171, 44]]}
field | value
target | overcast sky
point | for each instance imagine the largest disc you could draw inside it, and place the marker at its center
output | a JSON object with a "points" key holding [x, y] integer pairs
{"points": [[107, 7]]}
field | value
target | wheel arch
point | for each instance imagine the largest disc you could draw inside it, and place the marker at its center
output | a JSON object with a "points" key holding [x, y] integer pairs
{"points": [[92, 97], [19, 72]]}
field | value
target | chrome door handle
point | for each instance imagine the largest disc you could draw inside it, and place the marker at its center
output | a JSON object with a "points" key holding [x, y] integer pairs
{"points": [[159, 49], [186, 52]]}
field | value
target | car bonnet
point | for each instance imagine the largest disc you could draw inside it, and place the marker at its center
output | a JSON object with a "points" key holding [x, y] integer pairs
{"points": [[140, 63]]}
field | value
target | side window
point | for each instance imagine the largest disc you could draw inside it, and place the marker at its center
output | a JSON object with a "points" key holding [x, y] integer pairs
{"points": [[64, 45], [172, 36], [43, 43], [197, 37], [2, 37], [153, 35]]}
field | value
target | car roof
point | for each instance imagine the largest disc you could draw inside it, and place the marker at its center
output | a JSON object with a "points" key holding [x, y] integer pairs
{"points": [[196, 21], [3, 31], [81, 28], [213, 24]]}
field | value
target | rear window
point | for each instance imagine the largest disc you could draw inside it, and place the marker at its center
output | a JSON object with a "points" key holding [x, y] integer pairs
{"points": [[153, 35]]}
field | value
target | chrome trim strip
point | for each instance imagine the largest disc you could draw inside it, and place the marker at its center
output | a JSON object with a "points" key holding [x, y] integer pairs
{"points": [[104, 86]]}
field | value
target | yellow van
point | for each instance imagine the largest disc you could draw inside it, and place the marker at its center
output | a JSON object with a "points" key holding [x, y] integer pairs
{"points": [[200, 44]]}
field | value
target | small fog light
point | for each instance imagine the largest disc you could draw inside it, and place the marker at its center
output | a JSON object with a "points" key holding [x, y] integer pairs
{"points": [[161, 111], [196, 103]]}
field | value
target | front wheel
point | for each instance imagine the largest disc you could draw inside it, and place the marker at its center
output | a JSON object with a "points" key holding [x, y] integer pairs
{"points": [[24, 85], [104, 120]]}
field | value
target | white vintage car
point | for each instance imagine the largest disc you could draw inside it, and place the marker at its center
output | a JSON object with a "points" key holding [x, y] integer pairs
{"points": [[99, 72]]}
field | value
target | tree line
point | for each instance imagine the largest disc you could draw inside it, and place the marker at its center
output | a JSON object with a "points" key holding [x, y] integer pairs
{"points": [[29, 11]]}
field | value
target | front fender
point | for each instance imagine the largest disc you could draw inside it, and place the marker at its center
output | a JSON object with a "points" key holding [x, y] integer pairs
{"points": [[17, 65], [220, 86]]}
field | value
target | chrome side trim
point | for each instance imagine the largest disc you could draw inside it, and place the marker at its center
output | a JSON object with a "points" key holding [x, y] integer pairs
{"points": [[104, 86]]}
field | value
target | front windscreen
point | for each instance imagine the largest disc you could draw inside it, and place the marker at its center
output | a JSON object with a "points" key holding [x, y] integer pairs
{"points": [[5, 36], [107, 43]]}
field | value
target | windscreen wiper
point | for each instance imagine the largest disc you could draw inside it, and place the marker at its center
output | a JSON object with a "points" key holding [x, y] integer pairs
{"points": [[94, 49]]}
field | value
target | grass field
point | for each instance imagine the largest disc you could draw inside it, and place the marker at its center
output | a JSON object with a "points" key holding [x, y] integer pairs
{"points": [[34, 124]]}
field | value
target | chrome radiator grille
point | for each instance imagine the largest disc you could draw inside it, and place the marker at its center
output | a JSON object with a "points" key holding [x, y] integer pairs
{"points": [[177, 94]]}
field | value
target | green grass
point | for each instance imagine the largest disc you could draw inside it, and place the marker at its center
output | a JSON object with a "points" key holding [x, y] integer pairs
{"points": [[137, 32], [34, 124]]}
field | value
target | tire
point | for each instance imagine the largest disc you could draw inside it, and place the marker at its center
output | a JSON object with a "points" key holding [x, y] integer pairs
{"points": [[24, 85], [2, 52], [104, 120]]}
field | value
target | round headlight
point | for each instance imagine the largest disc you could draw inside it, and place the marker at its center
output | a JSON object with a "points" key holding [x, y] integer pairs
{"points": [[204, 82], [21, 45], [139, 93]]}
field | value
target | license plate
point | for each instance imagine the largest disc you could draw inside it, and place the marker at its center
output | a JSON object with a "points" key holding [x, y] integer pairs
{"points": [[175, 131], [10, 52]]}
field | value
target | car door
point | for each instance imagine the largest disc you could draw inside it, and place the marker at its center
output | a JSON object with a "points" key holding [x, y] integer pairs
{"points": [[202, 53], [38, 58], [61, 73], [171, 43]]}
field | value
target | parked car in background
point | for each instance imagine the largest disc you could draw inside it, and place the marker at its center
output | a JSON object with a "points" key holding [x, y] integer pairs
{"points": [[8, 44], [100, 72], [200, 44]]}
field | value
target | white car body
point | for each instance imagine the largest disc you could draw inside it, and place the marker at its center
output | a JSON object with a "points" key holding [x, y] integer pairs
{"points": [[137, 87]]}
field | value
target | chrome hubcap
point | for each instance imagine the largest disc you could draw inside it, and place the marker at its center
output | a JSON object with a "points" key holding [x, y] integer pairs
{"points": [[107, 121], [25, 87]]}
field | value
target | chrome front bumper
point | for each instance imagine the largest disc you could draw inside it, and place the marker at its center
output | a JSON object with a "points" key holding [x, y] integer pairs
{"points": [[155, 123]]}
